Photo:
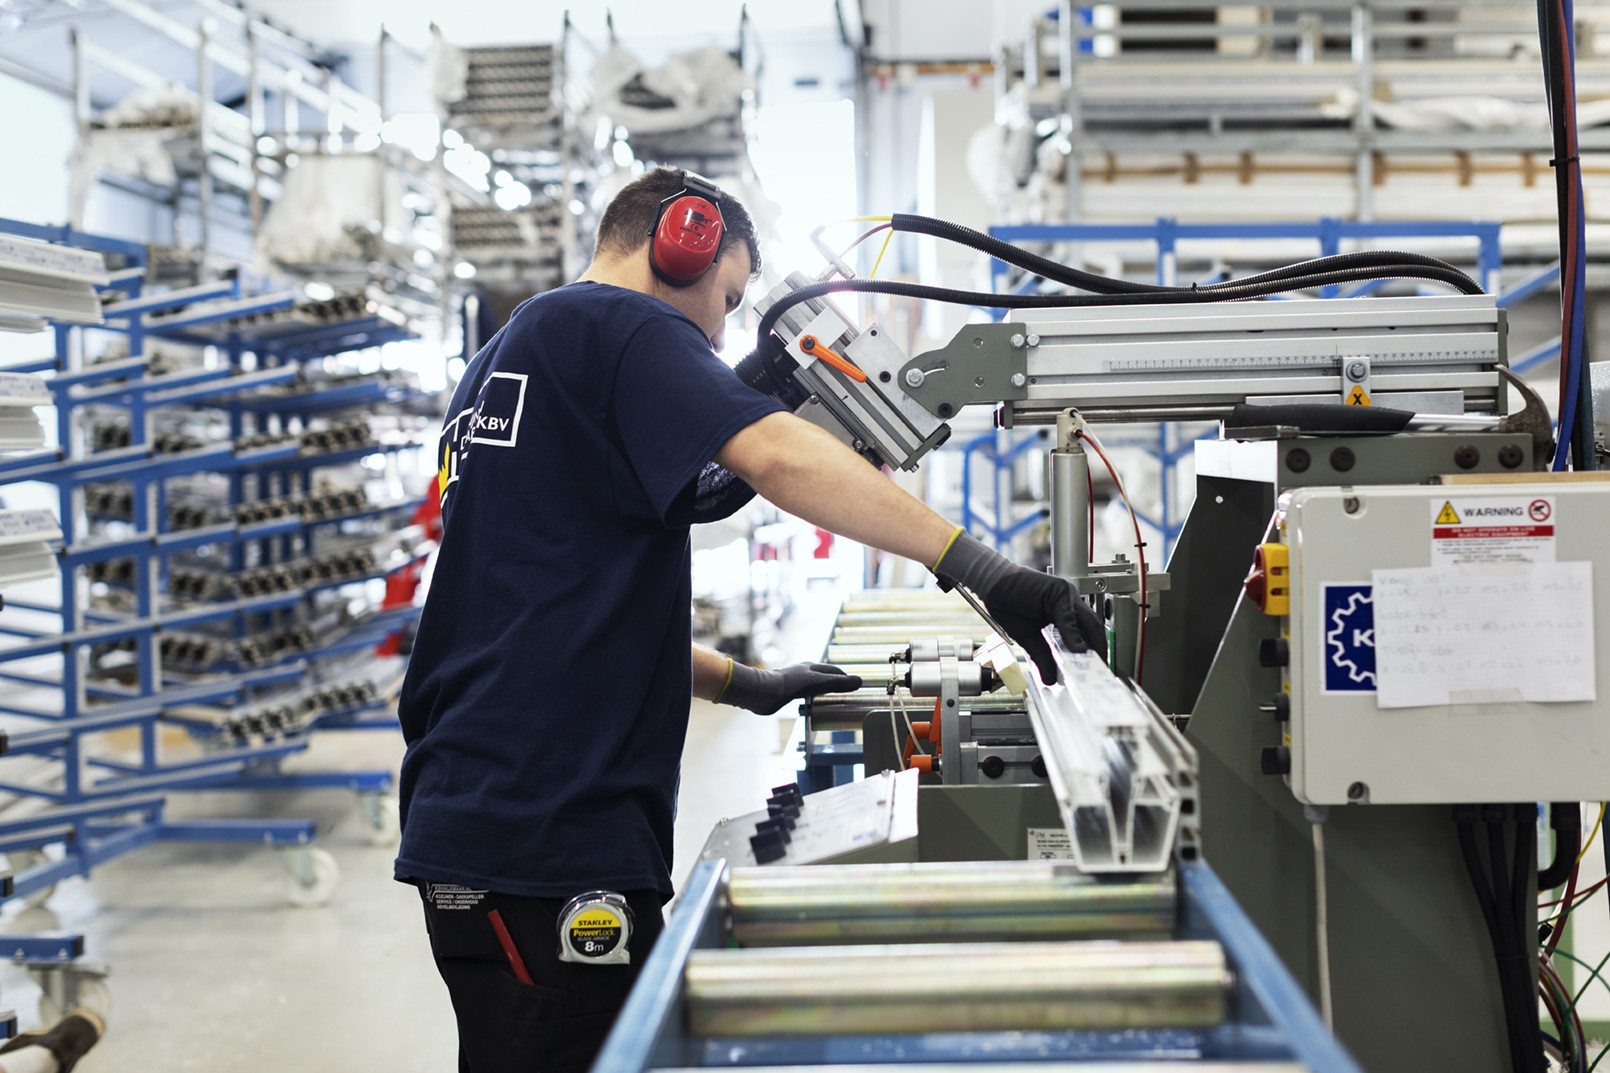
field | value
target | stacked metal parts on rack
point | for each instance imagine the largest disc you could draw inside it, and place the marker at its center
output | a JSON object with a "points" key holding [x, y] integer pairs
{"points": [[237, 556], [1322, 109], [516, 105]]}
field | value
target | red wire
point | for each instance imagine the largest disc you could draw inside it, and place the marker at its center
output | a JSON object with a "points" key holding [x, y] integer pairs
{"points": [[1565, 914], [863, 238], [1555, 1012], [1140, 549], [1090, 501], [1579, 897]]}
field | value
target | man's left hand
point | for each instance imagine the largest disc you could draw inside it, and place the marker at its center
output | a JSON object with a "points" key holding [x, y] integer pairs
{"points": [[766, 691]]}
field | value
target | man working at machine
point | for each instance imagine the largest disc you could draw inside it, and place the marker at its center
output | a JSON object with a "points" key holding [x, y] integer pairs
{"points": [[547, 698]]}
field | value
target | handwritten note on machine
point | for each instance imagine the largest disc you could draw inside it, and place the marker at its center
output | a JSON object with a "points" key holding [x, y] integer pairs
{"points": [[1484, 635]]}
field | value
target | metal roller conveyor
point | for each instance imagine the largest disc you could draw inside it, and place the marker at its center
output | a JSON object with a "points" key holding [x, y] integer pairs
{"points": [[963, 622], [938, 902], [879, 654], [1044, 1067], [903, 599], [963, 987], [844, 655], [897, 636]]}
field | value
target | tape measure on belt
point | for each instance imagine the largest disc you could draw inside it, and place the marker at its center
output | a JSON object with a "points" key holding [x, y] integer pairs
{"points": [[594, 929]]}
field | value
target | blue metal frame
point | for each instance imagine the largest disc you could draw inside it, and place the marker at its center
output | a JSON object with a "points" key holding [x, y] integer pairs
{"points": [[1272, 1019], [1004, 528], [80, 818], [827, 763], [1166, 232]]}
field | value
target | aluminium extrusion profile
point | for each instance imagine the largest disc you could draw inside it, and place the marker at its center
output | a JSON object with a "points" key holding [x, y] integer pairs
{"points": [[42, 280], [25, 545], [19, 424], [1121, 772]]}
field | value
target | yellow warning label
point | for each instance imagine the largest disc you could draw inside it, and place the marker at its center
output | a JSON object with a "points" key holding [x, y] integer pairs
{"points": [[1448, 516], [1358, 396]]}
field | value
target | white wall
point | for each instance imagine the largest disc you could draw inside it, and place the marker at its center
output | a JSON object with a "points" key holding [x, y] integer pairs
{"points": [[945, 190], [36, 127], [935, 29]]}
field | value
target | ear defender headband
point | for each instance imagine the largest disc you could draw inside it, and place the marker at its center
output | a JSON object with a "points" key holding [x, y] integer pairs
{"points": [[686, 238]]}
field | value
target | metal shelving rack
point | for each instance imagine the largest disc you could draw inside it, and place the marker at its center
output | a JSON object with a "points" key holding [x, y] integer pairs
{"points": [[100, 804], [518, 104], [1242, 89]]}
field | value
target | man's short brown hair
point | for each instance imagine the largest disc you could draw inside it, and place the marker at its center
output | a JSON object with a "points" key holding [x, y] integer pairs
{"points": [[629, 219]]}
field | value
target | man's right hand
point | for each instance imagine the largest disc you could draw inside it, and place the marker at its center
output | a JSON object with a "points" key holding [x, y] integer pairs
{"points": [[1024, 601]]}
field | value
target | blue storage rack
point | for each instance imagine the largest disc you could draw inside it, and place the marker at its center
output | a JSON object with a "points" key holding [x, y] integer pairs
{"points": [[107, 806]]}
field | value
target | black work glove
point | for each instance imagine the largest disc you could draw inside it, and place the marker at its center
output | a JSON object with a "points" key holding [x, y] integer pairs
{"points": [[766, 691], [1024, 601]]}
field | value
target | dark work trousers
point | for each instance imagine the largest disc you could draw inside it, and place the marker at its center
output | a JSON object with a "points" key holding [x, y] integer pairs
{"points": [[558, 1022]]}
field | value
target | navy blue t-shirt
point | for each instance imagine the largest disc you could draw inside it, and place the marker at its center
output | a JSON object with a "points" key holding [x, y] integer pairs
{"points": [[546, 700]]}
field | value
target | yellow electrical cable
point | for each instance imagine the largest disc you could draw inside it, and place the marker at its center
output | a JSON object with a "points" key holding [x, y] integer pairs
{"points": [[1585, 847], [879, 261], [1591, 835]]}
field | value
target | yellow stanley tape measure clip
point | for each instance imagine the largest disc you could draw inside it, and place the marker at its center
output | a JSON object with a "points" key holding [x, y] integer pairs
{"points": [[594, 929]]}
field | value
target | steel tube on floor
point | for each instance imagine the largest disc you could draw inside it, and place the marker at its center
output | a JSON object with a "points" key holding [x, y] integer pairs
{"points": [[981, 987]]}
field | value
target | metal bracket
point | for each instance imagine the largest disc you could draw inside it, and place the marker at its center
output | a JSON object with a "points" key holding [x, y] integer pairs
{"points": [[1356, 381], [984, 363]]}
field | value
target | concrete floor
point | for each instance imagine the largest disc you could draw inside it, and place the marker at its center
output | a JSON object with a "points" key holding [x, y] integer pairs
{"points": [[212, 968]]}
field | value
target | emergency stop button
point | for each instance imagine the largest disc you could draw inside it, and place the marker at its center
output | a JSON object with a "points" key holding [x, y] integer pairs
{"points": [[1269, 584]]}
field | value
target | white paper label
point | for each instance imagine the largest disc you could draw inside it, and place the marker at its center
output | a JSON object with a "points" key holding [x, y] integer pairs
{"points": [[1484, 634], [1492, 529], [1049, 844]]}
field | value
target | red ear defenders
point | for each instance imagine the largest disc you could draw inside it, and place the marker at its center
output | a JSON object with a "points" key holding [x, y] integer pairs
{"points": [[686, 238]]}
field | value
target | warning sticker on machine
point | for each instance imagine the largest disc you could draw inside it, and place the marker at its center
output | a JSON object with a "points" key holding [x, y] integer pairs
{"points": [[1492, 529], [1049, 844]]}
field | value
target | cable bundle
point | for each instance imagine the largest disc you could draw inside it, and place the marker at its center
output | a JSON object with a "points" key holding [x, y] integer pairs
{"points": [[1555, 21], [1320, 272], [1504, 907]]}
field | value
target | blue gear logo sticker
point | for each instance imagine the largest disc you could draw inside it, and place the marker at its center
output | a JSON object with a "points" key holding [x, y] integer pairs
{"points": [[1349, 627]]}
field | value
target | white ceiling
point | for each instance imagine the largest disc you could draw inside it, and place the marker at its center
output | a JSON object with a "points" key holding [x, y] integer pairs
{"points": [[640, 24]]}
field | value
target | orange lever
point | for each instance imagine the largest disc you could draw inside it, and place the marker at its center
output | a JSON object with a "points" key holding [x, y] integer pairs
{"points": [[812, 346]]}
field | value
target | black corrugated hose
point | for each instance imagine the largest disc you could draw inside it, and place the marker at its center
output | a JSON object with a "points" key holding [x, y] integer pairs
{"points": [[1322, 272], [1073, 277], [1504, 902]]}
